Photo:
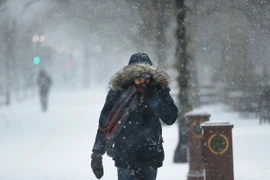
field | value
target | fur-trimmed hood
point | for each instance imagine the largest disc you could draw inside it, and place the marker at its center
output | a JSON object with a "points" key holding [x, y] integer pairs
{"points": [[129, 73]]}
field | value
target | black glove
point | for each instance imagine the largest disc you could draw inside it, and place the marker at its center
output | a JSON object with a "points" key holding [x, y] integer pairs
{"points": [[150, 91], [96, 165]]}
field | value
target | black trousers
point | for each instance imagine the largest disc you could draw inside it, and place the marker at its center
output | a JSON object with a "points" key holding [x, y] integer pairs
{"points": [[145, 173], [44, 99]]}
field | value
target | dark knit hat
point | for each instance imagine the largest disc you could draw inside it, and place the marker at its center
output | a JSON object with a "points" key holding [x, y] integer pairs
{"points": [[140, 58]]}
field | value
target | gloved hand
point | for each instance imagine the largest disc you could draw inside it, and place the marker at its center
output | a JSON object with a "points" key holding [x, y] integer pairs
{"points": [[96, 165], [150, 91]]}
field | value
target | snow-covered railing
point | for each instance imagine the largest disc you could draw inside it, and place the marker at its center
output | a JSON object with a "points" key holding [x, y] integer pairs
{"points": [[207, 95], [244, 99]]}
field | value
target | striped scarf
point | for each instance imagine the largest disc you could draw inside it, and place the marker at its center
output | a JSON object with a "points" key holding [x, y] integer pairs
{"points": [[118, 116]]}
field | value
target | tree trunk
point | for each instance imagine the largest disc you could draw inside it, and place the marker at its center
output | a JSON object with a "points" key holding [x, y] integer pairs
{"points": [[192, 49], [9, 54], [86, 68], [160, 34], [182, 62]]}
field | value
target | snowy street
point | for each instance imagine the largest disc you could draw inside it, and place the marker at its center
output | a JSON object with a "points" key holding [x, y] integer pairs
{"points": [[57, 145], [58, 59]]}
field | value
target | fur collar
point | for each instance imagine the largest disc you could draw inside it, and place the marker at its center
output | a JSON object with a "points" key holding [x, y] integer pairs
{"points": [[129, 73]]}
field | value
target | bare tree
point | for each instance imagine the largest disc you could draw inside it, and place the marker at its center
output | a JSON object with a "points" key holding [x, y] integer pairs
{"points": [[183, 79], [192, 34]]}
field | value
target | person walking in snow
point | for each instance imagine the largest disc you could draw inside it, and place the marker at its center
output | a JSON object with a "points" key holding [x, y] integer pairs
{"points": [[129, 125], [44, 83]]}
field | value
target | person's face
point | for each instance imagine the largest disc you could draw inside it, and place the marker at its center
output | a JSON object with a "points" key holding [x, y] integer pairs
{"points": [[139, 81]]}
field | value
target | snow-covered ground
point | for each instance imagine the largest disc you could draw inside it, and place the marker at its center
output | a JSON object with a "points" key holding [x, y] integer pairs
{"points": [[57, 145]]}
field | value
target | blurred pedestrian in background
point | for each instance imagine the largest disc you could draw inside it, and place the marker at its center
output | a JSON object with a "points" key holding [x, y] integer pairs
{"points": [[44, 83]]}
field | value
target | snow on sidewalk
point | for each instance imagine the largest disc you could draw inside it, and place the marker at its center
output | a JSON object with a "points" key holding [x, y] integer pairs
{"points": [[57, 145]]}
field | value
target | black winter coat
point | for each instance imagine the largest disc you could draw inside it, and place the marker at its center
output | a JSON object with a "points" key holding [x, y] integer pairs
{"points": [[44, 82], [139, 142]]}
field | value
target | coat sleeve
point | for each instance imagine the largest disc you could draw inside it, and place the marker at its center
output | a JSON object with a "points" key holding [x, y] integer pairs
{"points": [[99, 145], [163, 106]]}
